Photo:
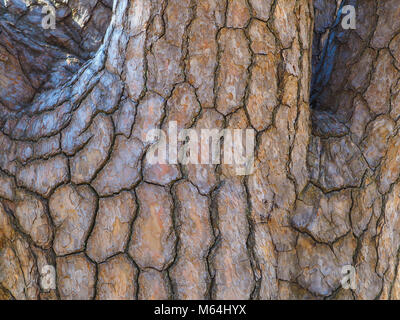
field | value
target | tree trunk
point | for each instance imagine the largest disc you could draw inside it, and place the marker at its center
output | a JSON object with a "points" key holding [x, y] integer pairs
{"points": [[79, 193]]}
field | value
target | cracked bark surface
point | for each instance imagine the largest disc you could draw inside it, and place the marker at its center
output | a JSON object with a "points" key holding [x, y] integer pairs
{"points": [[76, 191]]}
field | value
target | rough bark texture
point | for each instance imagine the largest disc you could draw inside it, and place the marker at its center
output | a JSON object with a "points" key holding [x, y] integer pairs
{"points": [[77, 193]]}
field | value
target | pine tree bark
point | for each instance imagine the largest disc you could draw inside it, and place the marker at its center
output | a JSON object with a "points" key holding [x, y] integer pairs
{"points": [[77, 191]]}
